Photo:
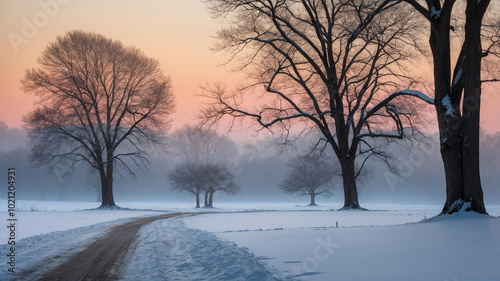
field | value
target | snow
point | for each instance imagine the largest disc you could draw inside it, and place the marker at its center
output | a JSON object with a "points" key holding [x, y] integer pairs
{"points": [[405, 92], [446, 102], [459, 75], [418, 94], [35, 218], [308, 246], [44, 251], [249, 241], [435, 13], [181, 253]]}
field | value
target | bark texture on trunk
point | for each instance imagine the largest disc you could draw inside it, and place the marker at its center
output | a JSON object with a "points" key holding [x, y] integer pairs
{"points": [[349, 181], [473, 191], [459, 133], [107, 198], [313, 199], [197, 199], [211, 199], [447, 109]]}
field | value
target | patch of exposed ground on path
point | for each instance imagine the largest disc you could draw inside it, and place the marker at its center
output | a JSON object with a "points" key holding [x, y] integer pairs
{"points": [[102, 259]]}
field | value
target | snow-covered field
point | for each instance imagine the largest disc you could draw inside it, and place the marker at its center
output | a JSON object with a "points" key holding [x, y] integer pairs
{"points": [[268, 242]]}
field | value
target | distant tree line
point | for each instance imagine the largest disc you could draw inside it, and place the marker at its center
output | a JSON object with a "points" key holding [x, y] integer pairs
{"points": [[260, 173]]}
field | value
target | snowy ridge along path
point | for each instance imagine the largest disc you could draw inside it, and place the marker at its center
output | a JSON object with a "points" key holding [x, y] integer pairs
{"points": [[151, 248], [170, 250], [102, 259]]}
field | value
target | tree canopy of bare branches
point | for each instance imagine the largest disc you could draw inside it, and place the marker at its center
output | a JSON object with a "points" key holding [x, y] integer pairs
{"points": [[208, 161], [339, 66], [195, 145], [188, 177], [99, 102], [310, 175], [219, 178], [208, 178]]}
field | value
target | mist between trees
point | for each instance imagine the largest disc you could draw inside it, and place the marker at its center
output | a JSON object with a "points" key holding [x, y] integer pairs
{"points": [[340, 70], [260, 172], [345, 68]]}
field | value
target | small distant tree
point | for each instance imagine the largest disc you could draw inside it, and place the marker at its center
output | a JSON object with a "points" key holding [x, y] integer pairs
{"points": [[188, 177], [209, 155], [208, 178], [218, 178], [310, 175]]}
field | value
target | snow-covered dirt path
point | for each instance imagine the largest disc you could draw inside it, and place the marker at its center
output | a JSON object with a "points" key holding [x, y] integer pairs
{"points": [[168, 250], [163, 250], [39, 253], [102, 259]]}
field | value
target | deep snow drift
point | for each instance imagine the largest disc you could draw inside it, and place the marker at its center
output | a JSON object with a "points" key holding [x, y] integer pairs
{"points": [[284, 242]]}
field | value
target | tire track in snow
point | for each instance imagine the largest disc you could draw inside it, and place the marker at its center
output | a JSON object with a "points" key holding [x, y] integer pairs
{"points": [[169, 250], [102, 259]]}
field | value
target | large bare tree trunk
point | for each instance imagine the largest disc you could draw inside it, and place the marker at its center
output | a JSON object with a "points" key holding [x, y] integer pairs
{"points": [[449, 119], [472, 192], [447, 110], [102, 174], [459, 133], [107, 182], [197, 199], [313, 201], [211, 198], [349, 181]]}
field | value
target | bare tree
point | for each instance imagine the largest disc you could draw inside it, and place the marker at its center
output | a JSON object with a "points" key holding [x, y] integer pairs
{"points": [[198, 178], [212, 156], [310, 175], [201, 146], [100, 103], [188, 177], [458, 95], [218, 178], [336, 65]]}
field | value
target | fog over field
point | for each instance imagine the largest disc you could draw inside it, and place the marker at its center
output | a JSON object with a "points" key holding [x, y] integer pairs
{"points": [[259, 169]]}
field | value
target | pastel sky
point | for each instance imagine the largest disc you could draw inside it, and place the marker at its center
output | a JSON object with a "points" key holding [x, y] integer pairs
{"points": [[176, 32]]}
